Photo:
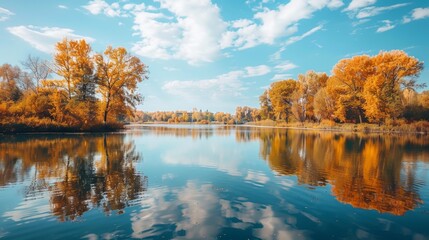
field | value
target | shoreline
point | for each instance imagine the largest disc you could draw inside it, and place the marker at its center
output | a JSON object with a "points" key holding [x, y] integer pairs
{"points": [[345, 128], [338, 128]]}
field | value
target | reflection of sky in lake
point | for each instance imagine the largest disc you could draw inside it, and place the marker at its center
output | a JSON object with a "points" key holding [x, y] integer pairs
{"points": [[230, 184]]}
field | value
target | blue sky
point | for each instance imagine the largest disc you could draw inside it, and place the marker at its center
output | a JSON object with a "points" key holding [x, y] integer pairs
{"points": [[218, 54]]}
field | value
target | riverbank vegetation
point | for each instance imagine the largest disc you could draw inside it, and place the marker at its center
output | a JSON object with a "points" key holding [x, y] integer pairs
{"points": [[364, 93], [378, 93], [87, 92], [362, 89]]}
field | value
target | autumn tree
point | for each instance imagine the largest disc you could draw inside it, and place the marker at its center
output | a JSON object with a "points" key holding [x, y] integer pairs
{"points": [[394, 71], [309, 84], [266, 106], [281, 97], [323, 105], [423, 99], [118, 73], [74, 63], [9, 83], [346, 86], [196, 115], [185, 116]]}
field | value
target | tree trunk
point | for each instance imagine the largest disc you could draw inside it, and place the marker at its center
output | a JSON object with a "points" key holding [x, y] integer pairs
{"points": [[106, 111]]}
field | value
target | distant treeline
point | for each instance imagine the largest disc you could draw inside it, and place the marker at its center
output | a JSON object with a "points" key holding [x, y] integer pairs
{"points": [[242, 115], [91, 91]]}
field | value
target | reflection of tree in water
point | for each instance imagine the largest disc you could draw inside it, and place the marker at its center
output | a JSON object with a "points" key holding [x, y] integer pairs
{"points": [[369, 172], [89, 171], [193, 131]]}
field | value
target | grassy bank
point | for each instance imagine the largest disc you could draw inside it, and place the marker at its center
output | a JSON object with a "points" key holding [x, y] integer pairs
{"points": [[398, 126], [32, 125]]}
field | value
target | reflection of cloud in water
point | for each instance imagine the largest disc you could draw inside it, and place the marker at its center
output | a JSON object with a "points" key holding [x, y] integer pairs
{"points": [[192, 209], [30, 209], [197, 212], [221, 155], [167, 176], [286, 184], [250, 214], [107, 236], [256, 178], [201, 206]]}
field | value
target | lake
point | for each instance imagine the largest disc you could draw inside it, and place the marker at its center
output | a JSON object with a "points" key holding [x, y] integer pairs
{"points": [[214, 182]]}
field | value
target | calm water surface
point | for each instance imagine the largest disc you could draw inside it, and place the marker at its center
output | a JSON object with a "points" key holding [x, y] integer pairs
{"points": [[214, 182]]}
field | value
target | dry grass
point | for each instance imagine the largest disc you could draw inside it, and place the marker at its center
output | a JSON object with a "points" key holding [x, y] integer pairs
{"points": [[397, 126]]}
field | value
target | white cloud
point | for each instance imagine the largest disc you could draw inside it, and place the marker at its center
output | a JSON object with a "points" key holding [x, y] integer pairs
{"points": [[257, 71], [357, 4], [228, 84], [257, 178], [100, 6], [335, 4], [373, 11], [269, 25], [281, 76], [170, 69], [418, 13], [223, 85], [5, 14], [194, 36], [294, 39], [62, 6], [45, 38], [285, 67], [387, 26], [193, 30]]}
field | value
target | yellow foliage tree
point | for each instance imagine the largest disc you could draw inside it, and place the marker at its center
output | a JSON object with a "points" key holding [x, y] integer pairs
{"points": [[118, 74], [346, 86], [281, 97], [393, 71]]}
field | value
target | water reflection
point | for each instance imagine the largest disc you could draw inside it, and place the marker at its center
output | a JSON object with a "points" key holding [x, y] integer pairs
{"points": [[80, 172], [369, 172], [208, 182]]}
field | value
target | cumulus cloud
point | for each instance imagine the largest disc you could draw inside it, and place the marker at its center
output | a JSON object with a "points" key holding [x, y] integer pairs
{"points": [[102, 7], [387, 26], [45, 38], [417, 13], [62, 6], [5, 14], [194, 34], [194, 31], [269, 25], [335, 4]]}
